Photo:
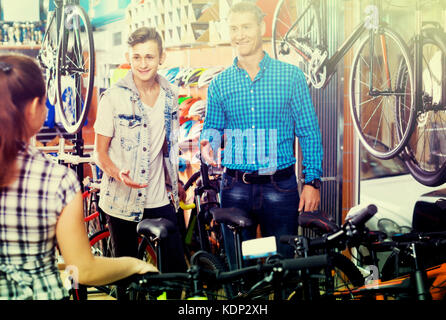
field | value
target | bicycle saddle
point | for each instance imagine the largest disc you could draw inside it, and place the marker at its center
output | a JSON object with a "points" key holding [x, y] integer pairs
{"points": [[318, 220], [233, 217], [157, 227]]}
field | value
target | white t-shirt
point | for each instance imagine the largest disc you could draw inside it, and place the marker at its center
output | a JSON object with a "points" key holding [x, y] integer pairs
{"points": [[156, 190]]}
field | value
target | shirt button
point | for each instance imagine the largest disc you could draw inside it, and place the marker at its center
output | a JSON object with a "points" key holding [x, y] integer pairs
{"points": [[144, 149], [252, 109], [139, 194], [143, 171], [252, 91], [145, 126], [253, 127]]}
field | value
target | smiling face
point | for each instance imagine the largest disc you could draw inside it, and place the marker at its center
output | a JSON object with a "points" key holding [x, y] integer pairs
{"points": [[246, 33], [145, 59]]}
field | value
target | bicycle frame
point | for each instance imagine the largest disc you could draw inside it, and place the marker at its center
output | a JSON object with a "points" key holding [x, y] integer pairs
{"points": [[330, 63]]}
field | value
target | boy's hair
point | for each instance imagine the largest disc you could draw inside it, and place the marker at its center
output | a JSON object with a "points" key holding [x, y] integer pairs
{"points": [[248, 6], [145, 34]]}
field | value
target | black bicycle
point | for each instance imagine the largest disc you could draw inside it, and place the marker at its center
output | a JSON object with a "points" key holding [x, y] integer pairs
{"points": [[67, 55], [396, 92]]}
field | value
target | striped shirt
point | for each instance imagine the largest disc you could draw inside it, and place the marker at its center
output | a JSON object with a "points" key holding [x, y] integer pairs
{"points": [[261, 117], [29, 210]]}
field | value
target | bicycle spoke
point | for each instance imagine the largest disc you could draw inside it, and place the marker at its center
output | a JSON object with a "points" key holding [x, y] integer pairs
{"points": [[380, 127]]}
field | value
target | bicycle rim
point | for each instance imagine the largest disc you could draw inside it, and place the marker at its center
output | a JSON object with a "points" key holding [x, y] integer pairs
{"points": [[382, 133], [294, 41], [47, 58], [426, 148], [100, 243], [75, 69]]}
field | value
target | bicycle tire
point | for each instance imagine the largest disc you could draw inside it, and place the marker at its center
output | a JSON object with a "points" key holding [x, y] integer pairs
{"points": [[75, 68], [47, 58], [342, 274], [425, 152], [208, 261], [146, 252], [295, 41], [373, 113]]}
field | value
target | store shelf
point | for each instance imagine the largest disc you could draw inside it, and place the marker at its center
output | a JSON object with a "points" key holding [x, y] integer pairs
{"points": [[20, 47]]}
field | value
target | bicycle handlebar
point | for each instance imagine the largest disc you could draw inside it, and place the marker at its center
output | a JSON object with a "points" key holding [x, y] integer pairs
{"points": [[363, 215], [316, 261], [347, 229], [186, 206]]}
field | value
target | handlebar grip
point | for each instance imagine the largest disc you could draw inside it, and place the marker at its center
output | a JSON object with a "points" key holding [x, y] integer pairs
{"points": [[318, 243], [231, 275], [304, 263], [288, 239], [185, 206], [364, 215]]}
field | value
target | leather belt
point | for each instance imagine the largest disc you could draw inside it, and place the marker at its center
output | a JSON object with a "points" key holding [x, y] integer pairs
{"points": [[256, 178]]}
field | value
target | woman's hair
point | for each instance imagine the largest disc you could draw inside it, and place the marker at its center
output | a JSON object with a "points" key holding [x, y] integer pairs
{"points": [[21, 80], [145, 34], [248, 6]]}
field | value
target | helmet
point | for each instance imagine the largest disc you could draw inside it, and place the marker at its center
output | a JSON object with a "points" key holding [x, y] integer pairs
{"points": [[209, 74], [119, 73], [198, 108], [183, 97], [171, 74], [181, 76], [193, 76], [186, 105]]}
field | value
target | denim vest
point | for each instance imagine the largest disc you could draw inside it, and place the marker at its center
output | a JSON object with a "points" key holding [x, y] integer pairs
{"points": [[130, 148]]}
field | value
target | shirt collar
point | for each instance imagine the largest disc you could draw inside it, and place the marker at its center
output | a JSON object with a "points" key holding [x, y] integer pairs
{"points": [[263, 63]]}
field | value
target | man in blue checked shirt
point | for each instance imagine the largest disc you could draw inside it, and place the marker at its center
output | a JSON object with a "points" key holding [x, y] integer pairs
{"points": [[259, 105]]}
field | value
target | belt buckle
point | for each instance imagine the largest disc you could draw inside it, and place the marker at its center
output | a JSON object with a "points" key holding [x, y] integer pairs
{"points": [[244, 178]]}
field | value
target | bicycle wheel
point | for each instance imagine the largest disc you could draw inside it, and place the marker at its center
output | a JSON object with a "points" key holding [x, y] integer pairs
{"points": [[146, 251], [207, 261], [375, 95], [341, 276], [296, 37], [426, 148], [75, 68], [47, 57]]}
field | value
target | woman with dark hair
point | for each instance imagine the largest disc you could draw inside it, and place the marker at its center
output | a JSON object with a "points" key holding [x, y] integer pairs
{"points": [[41, 201]]}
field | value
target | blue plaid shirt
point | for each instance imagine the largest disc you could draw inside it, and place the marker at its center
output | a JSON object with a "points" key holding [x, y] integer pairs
{"points": [[260, 118]]}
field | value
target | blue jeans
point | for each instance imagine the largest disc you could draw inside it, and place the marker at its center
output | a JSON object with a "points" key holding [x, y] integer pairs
{"points": [[273, 206]]}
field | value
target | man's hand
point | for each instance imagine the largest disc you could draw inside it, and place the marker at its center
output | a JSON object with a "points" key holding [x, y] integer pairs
{"points": [[309, 199], [125, 179], [207, 153]]}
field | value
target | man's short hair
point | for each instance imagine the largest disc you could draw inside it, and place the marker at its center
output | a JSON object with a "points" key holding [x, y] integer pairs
{"points": [[145, 34], [248, 6]]}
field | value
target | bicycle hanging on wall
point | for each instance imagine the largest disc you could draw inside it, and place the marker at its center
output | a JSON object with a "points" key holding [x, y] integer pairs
{"points": [[67, 55], [396, 90]]}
